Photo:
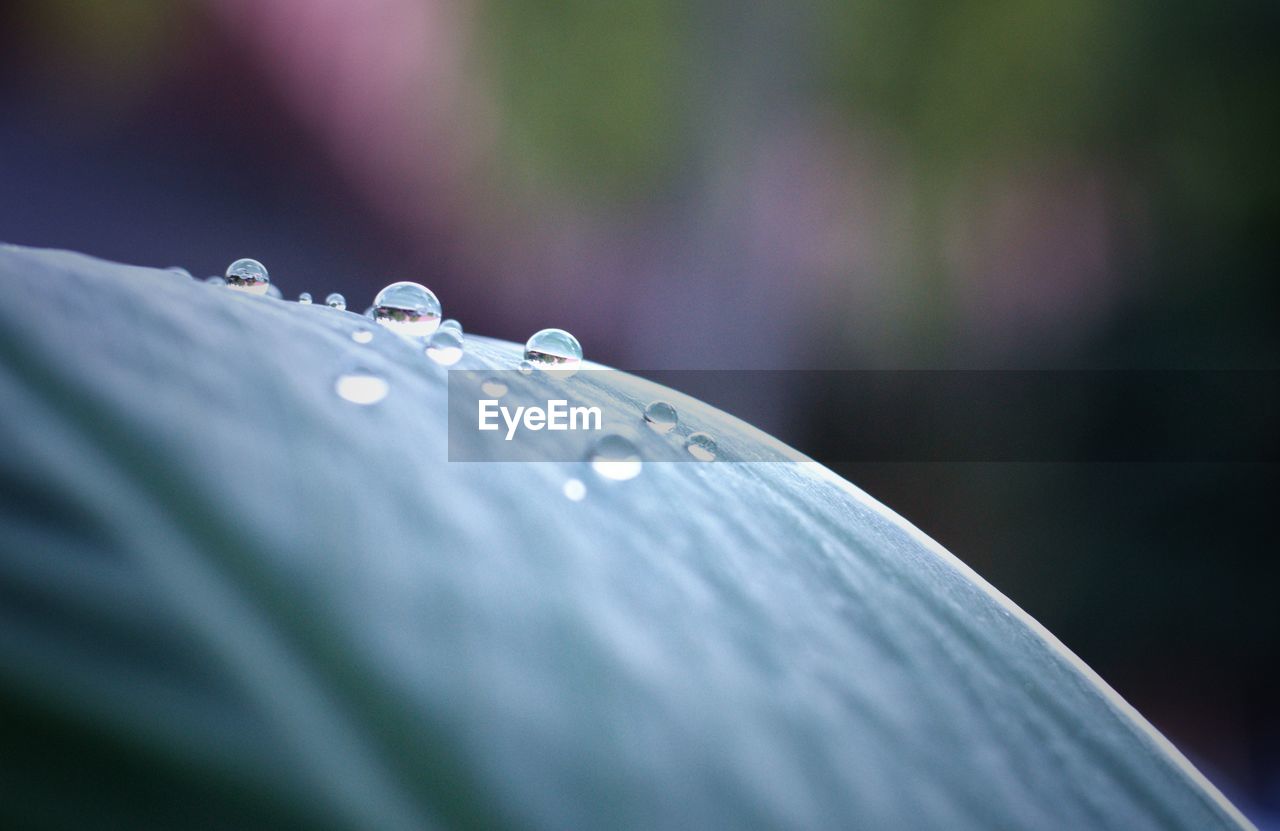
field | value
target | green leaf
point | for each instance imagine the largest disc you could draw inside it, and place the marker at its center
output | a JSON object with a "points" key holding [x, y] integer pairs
{"points": [[230, 599]]}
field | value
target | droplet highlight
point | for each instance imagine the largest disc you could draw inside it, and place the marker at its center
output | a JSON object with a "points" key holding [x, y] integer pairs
{"points": [[575, 490], [249, 276], [408, 309], [361, 387], [661, 417], [362, 335], [615, 458], [493, 387]]}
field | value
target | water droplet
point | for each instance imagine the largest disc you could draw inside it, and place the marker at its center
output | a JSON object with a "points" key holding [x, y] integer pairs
{"points": [[701, 447], [493, 387], [616, 458], [336, 301], [408, 309], [215, 280], [369, 313], [305, 298], [248, 276], [661, 417], [445, 347], [575, 490], [180, 271], [525, 368], [451, 324], [273, 291], [362, 335], [361, 387], [554, 350]]}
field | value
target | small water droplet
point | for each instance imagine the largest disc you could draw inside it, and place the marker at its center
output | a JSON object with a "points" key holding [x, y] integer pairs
{"points": [[408, 309], [701, 447], [180, 271], [554, 350], [445, 347], [451, 324], [616, 458], [305, 298], [369, 313], [247, 275], [362, 335], [273, 291], [661, 417], [362, 387], [215, 280], [336, 301], [493, 387], [575, 490], [525, 368]]}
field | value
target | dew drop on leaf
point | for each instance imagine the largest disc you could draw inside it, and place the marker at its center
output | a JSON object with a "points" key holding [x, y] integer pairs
{"points": [[249, 276], [661, 417], [445, 347], [701, 447], [555, 350], [336, 301], [408, 309]]}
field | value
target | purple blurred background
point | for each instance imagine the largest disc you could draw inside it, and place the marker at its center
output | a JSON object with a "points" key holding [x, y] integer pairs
{"points": [[811, 184]]}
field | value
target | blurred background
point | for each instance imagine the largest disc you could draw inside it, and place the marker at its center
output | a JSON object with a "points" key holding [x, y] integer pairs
{"points": [[796, 184]]}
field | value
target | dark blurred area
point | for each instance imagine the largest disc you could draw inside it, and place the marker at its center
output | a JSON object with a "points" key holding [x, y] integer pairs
{"points": [[787, 185]]}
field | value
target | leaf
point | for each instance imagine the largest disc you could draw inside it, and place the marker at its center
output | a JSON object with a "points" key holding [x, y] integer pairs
{"points": [[229, 598]]}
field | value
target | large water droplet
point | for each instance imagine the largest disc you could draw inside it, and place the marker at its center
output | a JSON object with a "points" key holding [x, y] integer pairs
{"points": [[362, 335], [575, 490], [445, 347], [701, 447], [452, 324], [248, 276], [408, 309], [361, 386], [493, 387], [616, 458], [554, 350], [661, 417], [336, 301], [305, 298], [273, 291]]}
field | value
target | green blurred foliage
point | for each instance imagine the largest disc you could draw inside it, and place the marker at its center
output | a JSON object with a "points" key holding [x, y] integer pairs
{"points": [[590, 93]]}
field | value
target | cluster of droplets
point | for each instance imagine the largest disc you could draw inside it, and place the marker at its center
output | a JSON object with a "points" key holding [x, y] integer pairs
{"points": [[413, 312]]}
